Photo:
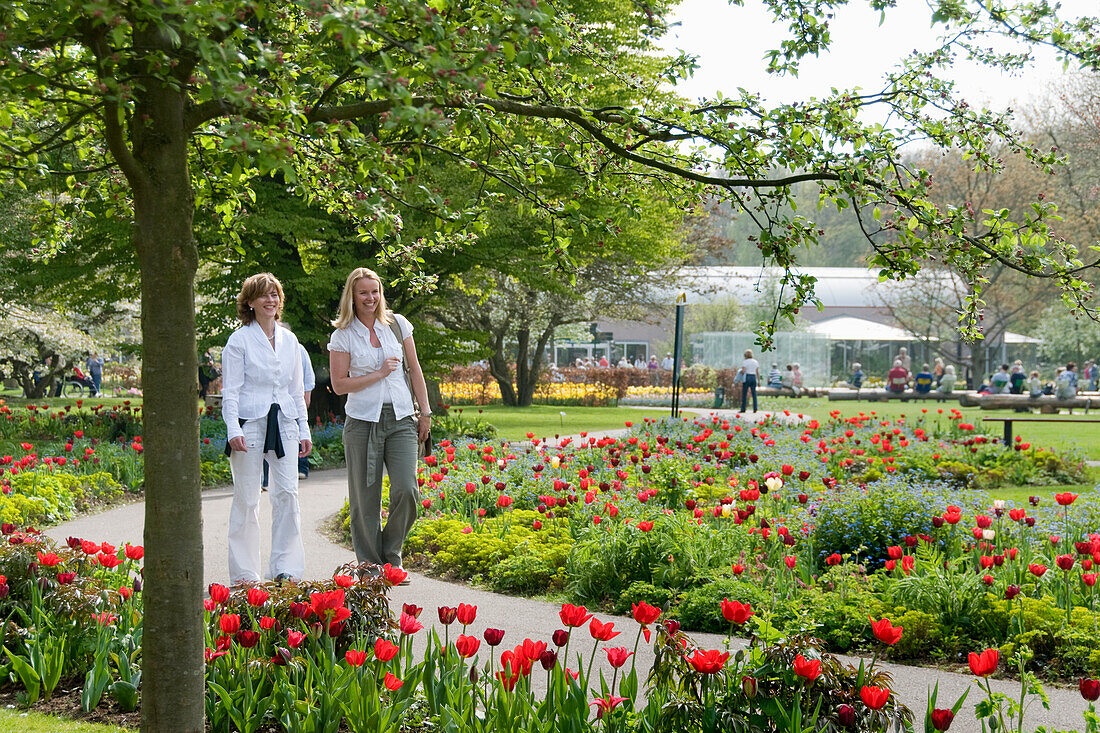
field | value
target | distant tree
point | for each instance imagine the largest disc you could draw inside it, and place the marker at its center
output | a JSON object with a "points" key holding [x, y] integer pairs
{"points": [[36, 341], [1068, 337]]}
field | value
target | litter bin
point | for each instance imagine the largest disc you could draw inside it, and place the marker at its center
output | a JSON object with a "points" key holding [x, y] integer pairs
{"points": [[719, 397]]}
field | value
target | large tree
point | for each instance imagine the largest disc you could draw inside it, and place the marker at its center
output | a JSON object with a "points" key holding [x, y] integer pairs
{"points": [[145, 110]]}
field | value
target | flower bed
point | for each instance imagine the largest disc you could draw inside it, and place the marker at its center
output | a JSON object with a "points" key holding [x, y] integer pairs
{"points": [[822, 525], [323, 655]]}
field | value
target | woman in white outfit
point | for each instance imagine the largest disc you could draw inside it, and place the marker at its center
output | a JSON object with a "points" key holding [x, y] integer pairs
{"points": [[381, 430], [265, 417]]}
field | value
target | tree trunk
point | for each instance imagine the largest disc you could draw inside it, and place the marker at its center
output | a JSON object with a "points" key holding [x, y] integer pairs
{"points": [[173, 690], [498, 367], [525, 376], [527, 388]]}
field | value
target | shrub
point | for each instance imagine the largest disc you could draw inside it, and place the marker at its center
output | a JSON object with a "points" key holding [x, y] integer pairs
{"points": [[44, 496], [533, 569], [701, 608], [866, 520]]}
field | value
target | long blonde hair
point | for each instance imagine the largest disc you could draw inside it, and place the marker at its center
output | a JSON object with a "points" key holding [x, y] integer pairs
{"points": [[347, 299]]}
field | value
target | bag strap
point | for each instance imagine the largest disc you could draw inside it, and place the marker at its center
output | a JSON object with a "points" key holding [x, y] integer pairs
{"points": [[397, 335], [404, 359]]}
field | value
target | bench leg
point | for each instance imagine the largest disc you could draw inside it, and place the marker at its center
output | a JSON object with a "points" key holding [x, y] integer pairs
{"points": [[1008, 434]]}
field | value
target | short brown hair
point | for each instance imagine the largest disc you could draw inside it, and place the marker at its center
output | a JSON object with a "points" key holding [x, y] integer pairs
{"points": [[255, 287]]}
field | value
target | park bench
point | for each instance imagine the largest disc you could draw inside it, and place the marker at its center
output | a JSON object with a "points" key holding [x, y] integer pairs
{"points": [[1009, 420], [1045, 403], [884, 395]]}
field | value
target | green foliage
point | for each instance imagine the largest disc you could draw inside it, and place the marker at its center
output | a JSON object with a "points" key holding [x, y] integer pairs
{"points": [[44, 496], [453, 547], [865, 521]]}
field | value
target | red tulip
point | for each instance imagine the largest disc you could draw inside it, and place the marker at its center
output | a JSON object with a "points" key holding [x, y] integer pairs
{"points": [[257, 597], [355, 658], [247, 638], [886, 632], [601, 631], [447, 615], [710, 661], [392, 683], [606, 705], [1065, 562], [493, 637], [1090, 689], [810, 669], [941, 718], [618, 656], [412, 609], [1037, 569], [393, 576], [532, 650], [736, 612], [984, 664], [343, 581], [644, 613], [385, 650], [465, 613], [874, 697], [108, 561], [573, 616], [267, 623], [294, 638], [467, 646], [134, 552], [219, 593], [230, 623], [409, 625], [1066, 498]]}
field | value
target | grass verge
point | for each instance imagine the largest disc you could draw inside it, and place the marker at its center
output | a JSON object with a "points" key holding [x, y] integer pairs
{"points": [[546, 421]]}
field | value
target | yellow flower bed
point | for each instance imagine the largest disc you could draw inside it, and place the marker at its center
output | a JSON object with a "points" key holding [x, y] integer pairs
{"points": [[557, 393], [656, 392]]}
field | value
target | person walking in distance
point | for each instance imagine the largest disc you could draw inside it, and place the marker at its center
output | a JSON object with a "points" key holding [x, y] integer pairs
{"points": [[750, 369]]}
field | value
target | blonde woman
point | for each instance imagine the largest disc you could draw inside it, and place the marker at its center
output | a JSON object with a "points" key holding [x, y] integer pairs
{"points": [[265, 418], [380, 428]]}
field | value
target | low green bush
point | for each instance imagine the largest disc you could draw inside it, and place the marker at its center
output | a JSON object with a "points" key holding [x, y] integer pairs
{"points": [[46, 496]]}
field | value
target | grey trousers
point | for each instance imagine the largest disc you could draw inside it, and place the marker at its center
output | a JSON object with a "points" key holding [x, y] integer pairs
{"points": [[367, 447]]}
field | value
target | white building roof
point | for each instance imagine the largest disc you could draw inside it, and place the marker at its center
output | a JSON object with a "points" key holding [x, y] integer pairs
{"points": [[850, 328], [836, 287]]}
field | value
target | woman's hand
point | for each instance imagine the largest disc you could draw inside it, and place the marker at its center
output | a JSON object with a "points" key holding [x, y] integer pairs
{"points": [[305, 448], [390, 365], [424, 427], [238, 444]]}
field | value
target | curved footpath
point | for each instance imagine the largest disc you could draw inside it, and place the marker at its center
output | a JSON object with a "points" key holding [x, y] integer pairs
{"points": [[323, 494]]}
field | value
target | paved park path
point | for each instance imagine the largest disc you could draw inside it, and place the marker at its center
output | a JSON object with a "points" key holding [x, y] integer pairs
{"points": [[323, 494]]}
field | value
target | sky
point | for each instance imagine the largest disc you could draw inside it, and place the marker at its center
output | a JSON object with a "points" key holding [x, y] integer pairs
{"points": [[731, 41]]}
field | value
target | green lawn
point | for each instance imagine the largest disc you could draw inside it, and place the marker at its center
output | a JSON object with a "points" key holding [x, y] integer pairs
{"points": [[14, 399], [546, 421], [15, 721], [1083, 438]]}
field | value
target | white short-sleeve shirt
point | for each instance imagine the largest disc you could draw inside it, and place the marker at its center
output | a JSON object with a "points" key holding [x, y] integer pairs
{"points": [[354, 340]]}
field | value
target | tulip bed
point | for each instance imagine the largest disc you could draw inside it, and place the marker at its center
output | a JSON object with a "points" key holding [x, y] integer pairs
{"points": [[328, 656], [817, 525]]}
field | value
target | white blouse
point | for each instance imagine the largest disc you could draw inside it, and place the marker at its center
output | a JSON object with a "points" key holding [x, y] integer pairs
{"points": [[354, 340], [255, 376]]}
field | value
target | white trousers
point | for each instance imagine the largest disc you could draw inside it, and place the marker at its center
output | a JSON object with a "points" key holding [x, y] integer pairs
{"points": [[287, 553]]}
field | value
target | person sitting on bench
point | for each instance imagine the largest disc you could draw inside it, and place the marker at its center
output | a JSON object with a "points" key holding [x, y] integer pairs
{"points": [[898, 378]]}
